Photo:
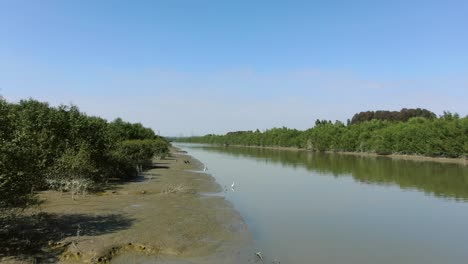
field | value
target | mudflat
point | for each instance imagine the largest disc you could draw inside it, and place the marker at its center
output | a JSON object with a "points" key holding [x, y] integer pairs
{"points": [[163, 216]]}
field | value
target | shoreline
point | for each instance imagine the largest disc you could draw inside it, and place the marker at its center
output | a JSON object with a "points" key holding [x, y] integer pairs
{"points": [[460, 161], [160, 216]]}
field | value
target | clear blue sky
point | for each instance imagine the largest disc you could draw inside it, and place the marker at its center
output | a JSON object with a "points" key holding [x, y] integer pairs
{"points": [[196, 67]]}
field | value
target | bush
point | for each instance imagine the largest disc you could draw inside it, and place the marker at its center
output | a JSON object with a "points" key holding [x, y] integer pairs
{"points": [[60, 147]]}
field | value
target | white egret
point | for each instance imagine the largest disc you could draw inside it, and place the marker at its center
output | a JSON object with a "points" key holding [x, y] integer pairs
{"points": [[259, 255], [232, 186]]}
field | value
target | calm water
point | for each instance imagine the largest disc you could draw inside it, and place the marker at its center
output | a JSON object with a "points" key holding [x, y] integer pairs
{"points": [[328, 208]]}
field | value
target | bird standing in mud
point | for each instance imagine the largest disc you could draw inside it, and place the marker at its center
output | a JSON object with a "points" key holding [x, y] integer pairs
{"points": [[233, 185], [259, 255]]}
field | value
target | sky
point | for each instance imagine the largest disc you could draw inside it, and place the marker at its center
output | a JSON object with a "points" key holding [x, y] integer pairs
{"points": [[195, 67]]}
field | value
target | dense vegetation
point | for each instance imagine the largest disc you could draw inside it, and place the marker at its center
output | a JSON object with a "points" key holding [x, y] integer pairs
{"points": [[60, 147], [425, 134], [402, 115]]}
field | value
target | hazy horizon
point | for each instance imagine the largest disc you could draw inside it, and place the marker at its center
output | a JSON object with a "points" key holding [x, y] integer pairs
{"points": [[186, 68]]}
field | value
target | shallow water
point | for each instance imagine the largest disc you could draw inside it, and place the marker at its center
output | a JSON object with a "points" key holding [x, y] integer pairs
{"points": [[319, 208]]}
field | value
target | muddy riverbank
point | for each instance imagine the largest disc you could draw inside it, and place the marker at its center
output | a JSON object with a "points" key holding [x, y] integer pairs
{"points": [[461, 161], [160, 217]]}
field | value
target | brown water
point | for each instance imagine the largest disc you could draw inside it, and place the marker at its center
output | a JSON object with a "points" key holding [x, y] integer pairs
{"points": [[306, 207]]}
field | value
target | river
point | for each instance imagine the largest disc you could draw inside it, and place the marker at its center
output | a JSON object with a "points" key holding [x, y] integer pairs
{"points": [[304, 207]]}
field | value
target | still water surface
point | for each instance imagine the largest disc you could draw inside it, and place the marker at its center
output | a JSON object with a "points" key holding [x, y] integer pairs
{"points": [[319, 208]]}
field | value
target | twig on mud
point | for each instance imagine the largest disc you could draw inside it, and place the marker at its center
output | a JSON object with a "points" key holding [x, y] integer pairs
{"points": [[179, 188], [77, 248], [74, 186]]}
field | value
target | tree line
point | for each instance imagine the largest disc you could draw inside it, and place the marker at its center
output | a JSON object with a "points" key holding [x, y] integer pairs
{"points": [[43, 147], [414, 132]]}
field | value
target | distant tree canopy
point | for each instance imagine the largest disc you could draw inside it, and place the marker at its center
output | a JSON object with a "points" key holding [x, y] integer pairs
{"points": [[127, 131], [402, 115], [39, 143], [410, 131]]}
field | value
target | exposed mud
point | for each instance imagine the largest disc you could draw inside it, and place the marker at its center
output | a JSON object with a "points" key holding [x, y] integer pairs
{"points": [[160, 217]]}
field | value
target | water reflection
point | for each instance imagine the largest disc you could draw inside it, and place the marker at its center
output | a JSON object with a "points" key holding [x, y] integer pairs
{"points": [[438, 179]]}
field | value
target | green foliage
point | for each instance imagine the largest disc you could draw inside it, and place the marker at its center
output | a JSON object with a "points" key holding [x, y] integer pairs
{"points": [[402, 115], [139, 152], [40, 144], [122, 130], [283, 137], [446, 136], [75, 164]]}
